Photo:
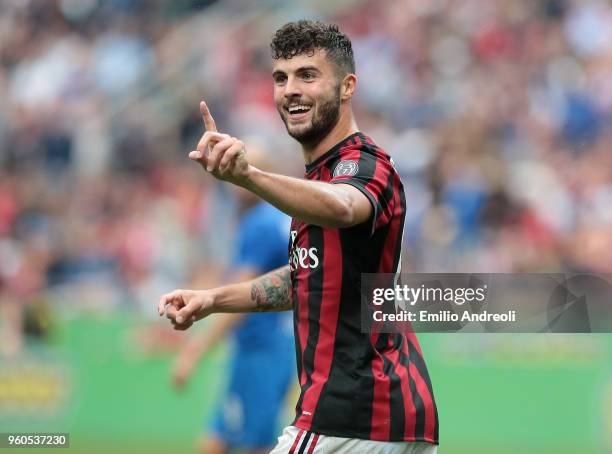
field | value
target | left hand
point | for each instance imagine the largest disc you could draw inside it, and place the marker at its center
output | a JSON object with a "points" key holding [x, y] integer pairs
{"points": [[184, 307], [220, 154]]}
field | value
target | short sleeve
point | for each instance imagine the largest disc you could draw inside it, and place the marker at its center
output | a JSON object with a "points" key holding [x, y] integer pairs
{"points": [[375, 177]]}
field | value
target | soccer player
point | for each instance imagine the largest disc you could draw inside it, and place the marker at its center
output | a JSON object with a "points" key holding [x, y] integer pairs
{"points": [[262, 360], [366, 393]]}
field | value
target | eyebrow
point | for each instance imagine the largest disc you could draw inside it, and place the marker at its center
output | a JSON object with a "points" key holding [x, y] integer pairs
{"points": [[301, 69], [307, 68]]}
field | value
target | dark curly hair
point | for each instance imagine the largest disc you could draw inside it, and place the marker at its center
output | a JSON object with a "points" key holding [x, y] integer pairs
{"points": [[306, 36]]}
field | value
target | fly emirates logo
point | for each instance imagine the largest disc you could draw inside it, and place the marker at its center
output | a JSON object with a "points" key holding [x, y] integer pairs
{"points": [[302, 257]]}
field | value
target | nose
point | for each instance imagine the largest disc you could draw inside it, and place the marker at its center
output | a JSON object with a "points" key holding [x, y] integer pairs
{"points": [[292, 88]]}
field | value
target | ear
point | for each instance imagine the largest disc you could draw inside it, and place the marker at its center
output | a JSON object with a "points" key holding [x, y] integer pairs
{"points": [[347, 87]]}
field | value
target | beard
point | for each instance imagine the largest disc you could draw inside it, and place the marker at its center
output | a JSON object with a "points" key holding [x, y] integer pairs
{"points": [[323, 120]]}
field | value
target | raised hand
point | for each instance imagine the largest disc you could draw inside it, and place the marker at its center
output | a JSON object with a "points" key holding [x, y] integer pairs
{"points": [[221, 155]]}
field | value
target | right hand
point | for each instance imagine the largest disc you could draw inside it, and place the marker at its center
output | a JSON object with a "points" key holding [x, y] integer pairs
{"points": [[182, 371], [221, 155], [184, 307]]}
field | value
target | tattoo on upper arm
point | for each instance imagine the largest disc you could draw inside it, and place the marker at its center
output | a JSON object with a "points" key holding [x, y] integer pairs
{"points": [[273, 291]]}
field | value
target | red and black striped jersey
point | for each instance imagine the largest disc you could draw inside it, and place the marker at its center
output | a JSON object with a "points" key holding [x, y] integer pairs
{"points": [[355, 385]]}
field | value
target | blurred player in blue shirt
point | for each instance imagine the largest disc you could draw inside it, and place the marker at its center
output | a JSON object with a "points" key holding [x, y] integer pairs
{"points": [[262, 364]]}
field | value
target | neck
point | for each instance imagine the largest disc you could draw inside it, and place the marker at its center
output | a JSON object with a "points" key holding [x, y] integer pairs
{"points": [[345, 127]]}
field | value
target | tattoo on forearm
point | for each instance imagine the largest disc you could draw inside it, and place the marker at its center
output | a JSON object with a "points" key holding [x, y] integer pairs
{"points": [[273, 291]]}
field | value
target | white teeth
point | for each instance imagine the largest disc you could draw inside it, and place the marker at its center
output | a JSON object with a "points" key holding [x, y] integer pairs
{"points": [[293, 109]]}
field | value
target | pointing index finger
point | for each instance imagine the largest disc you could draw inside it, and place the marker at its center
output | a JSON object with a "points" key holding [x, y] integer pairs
{"points": [[209, 122]]}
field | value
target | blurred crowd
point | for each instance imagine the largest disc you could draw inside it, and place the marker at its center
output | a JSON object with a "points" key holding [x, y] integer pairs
{"points": [[498, 115]]}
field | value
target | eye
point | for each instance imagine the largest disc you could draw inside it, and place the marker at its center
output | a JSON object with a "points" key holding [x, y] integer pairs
{"points": [[308, 75], [279, 78]]}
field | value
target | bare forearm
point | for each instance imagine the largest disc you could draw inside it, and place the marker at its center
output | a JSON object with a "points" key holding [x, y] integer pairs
{"points": [[268, 293], [314, 202]]}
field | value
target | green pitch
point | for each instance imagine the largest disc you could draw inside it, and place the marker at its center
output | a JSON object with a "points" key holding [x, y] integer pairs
{"points": [[495, 393]]}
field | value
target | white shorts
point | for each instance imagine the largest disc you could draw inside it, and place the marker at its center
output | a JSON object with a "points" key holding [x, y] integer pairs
{"points": [[298, 441]]}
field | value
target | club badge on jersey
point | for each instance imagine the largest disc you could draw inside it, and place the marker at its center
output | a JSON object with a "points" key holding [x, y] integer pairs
{"points": [[346, 169]]}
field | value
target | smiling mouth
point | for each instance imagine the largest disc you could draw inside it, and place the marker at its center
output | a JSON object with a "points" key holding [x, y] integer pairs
{"points": [[298, 112]]}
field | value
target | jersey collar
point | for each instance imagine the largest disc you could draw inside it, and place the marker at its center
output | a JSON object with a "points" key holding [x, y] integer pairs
{"points": [[332, 151]]}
